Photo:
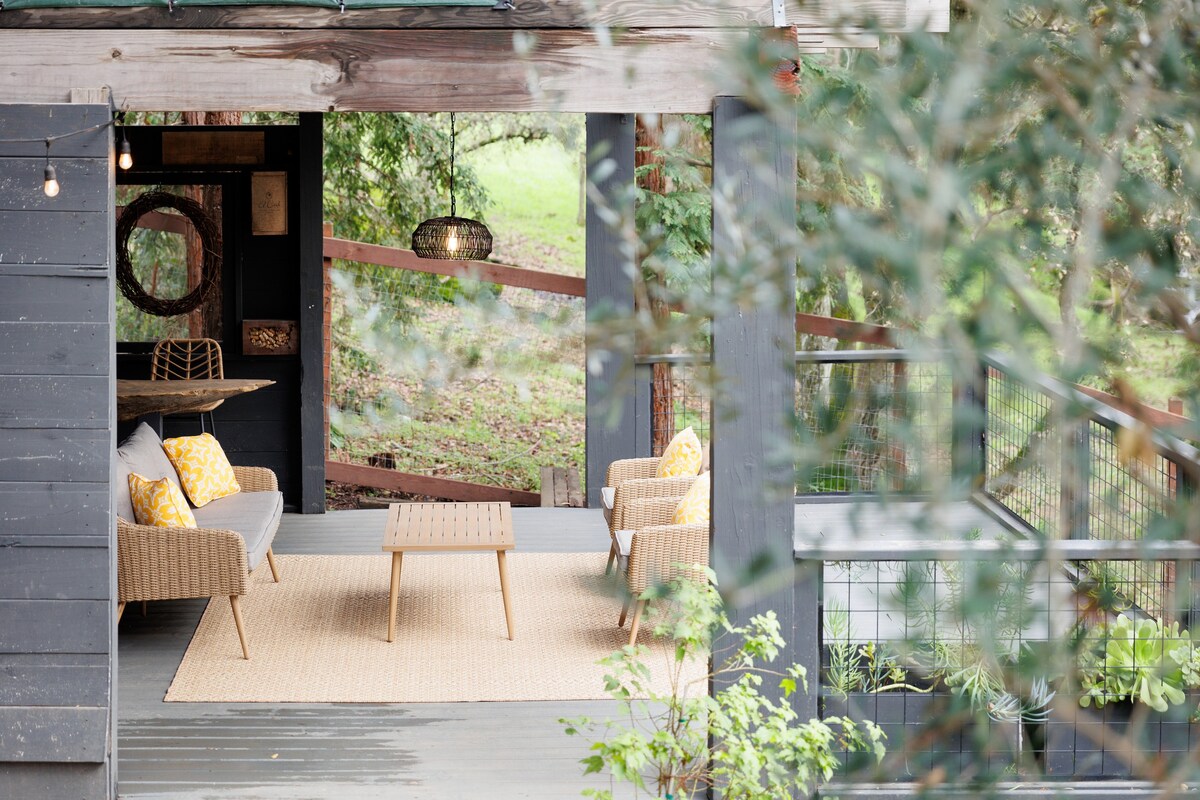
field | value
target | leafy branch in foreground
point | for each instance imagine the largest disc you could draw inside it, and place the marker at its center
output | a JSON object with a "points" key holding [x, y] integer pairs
{"points": [[748, 745]]}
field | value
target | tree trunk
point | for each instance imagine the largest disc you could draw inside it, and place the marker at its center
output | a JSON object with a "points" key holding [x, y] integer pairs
{"points": [[206, 319], [648, 143]]}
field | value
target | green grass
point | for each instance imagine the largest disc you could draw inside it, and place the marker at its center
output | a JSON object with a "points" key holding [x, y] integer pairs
{"points": [[534, 211]]}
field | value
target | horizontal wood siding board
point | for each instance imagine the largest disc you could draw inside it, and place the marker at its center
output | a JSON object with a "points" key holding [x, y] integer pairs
{"points": [[54, 626], [54, 509], [527, 14], [54, 780], [54, 348], [45, 680], [32, 455], [443, 488], [53, 237], [63, 542], [35, 123], [55, 401], [57, 270], [47, 573], [46, 298], [480, 270], [54, 734], [665, 70], [21, 184]]}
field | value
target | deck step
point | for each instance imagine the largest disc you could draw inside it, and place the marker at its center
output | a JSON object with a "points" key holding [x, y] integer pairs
{"points": [[561, 488]]}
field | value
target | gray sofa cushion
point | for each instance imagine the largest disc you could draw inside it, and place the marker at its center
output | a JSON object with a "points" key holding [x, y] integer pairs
{"points": [[255, 515], [142, 453]]}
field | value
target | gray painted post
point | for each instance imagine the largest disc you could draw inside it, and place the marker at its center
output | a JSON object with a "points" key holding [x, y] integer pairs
{"points": [[57, 533], [312, 315], [610, 270], [753, 495]]}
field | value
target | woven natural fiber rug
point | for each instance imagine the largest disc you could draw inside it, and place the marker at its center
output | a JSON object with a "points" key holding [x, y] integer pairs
{"points": [[320, 636]]}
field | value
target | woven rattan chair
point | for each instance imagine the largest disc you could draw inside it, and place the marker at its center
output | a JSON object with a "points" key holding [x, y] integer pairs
{"points": [[189, 360], [175, 563], [630, 491], [659, 552]]}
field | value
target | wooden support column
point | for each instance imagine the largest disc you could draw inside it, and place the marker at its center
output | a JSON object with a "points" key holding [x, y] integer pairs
{"points": [[312, 316], [58, 656], [610, 403], [754, 219]]}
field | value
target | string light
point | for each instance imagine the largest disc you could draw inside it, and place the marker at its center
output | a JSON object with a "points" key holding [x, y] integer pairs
{"points": [[50, 184], [125, 159]]}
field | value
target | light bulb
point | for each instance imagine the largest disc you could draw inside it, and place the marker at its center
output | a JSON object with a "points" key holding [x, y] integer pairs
{"points": [[452, 241], [125, 160], [50, 187]]}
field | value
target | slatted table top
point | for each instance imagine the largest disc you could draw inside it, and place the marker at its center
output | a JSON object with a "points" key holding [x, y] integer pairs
{"points": [[448, 526]]}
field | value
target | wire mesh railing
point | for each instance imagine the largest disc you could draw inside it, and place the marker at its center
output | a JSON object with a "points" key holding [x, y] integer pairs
{"points": [[1002, 661], [867, 421], [1071, 467]]}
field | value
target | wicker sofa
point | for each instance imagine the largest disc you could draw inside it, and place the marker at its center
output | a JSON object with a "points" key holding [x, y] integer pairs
{"points": [[233, 536]]}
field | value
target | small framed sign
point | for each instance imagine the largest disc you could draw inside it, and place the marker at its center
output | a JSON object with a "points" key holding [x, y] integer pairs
{"points": [[268, 203]]}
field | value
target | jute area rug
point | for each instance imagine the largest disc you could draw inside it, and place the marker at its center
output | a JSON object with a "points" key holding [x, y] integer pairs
{"points": [[320, 635]]}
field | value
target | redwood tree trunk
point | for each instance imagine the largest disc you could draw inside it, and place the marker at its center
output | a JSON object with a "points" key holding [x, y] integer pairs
{"points": [[648, 142], [205, 320]]}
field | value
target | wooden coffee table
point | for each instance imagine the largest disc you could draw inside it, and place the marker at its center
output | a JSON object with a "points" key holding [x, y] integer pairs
{"points": [[447, 527]]}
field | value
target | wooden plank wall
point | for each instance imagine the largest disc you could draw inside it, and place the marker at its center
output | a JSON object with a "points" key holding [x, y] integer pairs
{"points": [[311, 313], [610, 407], [264, 278], [57, 573], [754, 200]]}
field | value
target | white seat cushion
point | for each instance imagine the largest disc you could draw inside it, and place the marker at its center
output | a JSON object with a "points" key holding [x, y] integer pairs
{"points": [[624, 541], [608, 494]]}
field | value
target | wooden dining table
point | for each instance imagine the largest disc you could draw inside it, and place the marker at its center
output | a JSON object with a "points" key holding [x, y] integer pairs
{"points": [[136, 398]]}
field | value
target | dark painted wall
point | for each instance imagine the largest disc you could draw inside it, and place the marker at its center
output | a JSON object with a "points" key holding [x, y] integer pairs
{"points": [[57, 574], [263, 278]]}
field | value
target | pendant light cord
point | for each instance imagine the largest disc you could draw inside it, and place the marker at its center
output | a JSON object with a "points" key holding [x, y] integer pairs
{"points": [[452, 205]]}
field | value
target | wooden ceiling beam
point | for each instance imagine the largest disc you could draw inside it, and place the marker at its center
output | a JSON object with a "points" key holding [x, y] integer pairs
{"points": [[889, 14], [666, 71]]}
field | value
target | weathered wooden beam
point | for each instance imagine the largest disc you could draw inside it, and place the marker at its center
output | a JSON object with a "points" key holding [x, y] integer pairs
{"points": [[889, 14], [661, 70], [478, 270], [443, 488]]}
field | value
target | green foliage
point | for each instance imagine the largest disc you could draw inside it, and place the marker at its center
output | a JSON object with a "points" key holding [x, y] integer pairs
{"points": [[748, 746], [1137, 659]]}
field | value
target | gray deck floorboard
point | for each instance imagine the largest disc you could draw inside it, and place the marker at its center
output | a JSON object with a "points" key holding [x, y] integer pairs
{"points": [[448, 751]]}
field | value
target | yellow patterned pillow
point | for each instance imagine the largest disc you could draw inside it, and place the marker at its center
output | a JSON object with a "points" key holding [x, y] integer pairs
{"points": [[694, 506], [203, 468], [159, 503], [681, 459]]}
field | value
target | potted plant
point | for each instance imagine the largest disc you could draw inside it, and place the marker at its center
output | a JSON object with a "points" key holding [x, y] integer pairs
{"points": [[746, 745], [1141, 676]]}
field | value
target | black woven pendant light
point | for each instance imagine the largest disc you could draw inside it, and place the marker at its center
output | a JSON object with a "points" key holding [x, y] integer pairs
{"points": [[453, 236]]}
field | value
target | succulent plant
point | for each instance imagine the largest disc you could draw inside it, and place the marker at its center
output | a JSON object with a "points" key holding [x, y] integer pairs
{"points": [[1135, 659]]}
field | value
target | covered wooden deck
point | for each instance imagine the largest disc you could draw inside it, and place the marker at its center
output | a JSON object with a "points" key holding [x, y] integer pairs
{"points": [[264, 751]]}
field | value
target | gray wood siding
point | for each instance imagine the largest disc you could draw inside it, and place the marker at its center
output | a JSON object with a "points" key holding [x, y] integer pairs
{"points": [[754, 183], [57, 630], [610, 395]]}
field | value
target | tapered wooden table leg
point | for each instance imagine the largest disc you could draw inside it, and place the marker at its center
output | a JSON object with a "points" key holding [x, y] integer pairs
{"points": [[500, 557], [237, 620], [394, 594]]}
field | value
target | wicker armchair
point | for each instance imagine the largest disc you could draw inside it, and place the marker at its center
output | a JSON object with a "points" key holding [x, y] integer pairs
{"points": [[627, 495], [659, 552], [156, 563]]}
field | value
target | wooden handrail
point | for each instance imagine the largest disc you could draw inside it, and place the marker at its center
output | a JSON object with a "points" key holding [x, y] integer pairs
{"points": [[478, 270], [846, 330], [432, 486], [1154, 417]]}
